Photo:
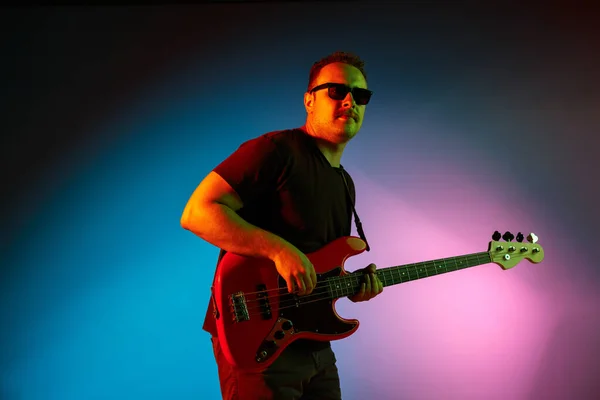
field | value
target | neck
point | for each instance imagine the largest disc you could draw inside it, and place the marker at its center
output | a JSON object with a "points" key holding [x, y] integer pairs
{"points": [[346, 285], [332, 151]]}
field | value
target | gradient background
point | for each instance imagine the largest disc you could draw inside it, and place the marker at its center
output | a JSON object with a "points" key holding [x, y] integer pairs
{"points": [[482, 120]]}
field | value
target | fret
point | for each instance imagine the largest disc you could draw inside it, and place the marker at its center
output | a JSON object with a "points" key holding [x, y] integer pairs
{"points": [[430, 268], [415, 274], [436, 267], [426, 274], [339, 289], [441, 264], [383, 278], [349, 288]]}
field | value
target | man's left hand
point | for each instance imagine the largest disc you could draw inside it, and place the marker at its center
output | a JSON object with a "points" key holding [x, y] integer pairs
{"points": [[370, 287]]}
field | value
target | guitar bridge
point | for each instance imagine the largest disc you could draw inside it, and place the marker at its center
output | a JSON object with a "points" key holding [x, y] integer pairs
{"points": [[239, 308]]}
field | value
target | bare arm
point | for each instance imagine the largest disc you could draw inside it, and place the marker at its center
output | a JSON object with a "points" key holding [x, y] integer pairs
{"points": [[211, 214]]}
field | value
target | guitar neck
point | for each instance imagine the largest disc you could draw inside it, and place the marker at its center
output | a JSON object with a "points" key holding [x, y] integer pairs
{"points": [[348, 285]]}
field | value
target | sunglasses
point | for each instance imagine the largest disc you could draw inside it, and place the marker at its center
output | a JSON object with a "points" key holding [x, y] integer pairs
{"points": [[338, 91]]}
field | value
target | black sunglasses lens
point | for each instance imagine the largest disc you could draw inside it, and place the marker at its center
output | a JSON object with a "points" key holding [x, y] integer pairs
{"points": [[338, 92], [361, 96]]}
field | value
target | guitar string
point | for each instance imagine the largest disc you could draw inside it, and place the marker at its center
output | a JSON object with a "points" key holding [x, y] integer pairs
{"points": [[431, 266], [290, 306], [290, 300], [399, 267], [429, 271], [410, 279], [320, 299], [287, 298], [290, 297]]}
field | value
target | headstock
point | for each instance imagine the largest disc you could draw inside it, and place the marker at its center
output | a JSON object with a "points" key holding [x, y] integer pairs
{"points": [[507, 254]]}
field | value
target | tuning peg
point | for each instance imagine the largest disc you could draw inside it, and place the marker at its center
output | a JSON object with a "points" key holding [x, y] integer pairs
{"points": [[508, 236], [496, 236], [532, 238], [519, 237]]}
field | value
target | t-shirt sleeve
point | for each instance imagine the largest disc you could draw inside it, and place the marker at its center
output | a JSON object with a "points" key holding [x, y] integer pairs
{"points": [[253, 169]]}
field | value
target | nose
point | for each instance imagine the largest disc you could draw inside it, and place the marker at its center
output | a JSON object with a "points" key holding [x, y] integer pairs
{"points": [[348, 101]]}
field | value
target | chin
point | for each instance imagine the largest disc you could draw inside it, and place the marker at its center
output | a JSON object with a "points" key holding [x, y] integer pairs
{"points": [[351, 129], [347, 134]]}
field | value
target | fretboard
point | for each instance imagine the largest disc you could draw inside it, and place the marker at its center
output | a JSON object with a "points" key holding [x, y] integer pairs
{"points": [[341, 286]]}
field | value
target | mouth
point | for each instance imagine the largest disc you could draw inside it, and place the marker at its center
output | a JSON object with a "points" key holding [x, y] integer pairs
{"points": [[347, 117]]}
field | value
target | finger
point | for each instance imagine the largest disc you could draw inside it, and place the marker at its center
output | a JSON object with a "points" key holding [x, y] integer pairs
{"points": [[313, 276], [367, 283], [374, 285], [290, 284], [371, 268], [308, 284], [361, 287], [300, 285], [374, 282], [379, 285]]}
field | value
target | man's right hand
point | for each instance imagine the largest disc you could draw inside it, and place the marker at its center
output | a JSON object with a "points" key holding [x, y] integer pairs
{"points": [[296, 269]]}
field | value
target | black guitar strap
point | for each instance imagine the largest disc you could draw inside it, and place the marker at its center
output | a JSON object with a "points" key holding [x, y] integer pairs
{"points": [[359, 227]]}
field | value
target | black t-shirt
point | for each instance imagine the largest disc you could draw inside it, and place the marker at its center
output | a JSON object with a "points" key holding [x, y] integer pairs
{"points": [[288, 187]]}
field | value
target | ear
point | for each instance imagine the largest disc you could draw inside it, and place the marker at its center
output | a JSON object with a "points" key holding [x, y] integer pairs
{"points": [[309, 101]]}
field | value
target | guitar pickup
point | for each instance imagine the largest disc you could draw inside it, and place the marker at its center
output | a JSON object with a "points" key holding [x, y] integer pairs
{"points": [[239, 308], [265, 307]]}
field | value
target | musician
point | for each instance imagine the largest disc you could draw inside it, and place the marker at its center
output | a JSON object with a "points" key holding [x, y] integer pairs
{"points": [[280, 196]]}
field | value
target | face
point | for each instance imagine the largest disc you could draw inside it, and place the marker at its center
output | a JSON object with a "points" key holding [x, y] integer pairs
{"points": [[336, 121]]}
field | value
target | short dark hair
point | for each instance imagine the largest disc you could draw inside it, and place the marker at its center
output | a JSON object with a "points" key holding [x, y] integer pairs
{"points": [[338, 56]]}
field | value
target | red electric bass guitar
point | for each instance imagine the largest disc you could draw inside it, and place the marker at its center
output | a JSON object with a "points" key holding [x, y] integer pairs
{"points": [[258, 318]]}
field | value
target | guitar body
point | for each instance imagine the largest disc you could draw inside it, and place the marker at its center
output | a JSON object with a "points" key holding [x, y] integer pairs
{"points": [[258, 318]]}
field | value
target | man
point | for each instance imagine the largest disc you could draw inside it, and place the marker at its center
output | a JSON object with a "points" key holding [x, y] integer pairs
{"points": [[280, 196]]}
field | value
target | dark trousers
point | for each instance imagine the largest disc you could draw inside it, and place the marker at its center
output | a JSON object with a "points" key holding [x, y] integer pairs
{"points": [[296, 374]]}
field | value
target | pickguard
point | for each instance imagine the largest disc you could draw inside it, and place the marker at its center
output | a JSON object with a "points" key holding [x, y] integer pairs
{"points": [[310, 315]]}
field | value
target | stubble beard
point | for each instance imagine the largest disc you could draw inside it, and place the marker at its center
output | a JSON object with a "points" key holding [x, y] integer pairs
{"points": [[347, 131], [336, 131]]}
